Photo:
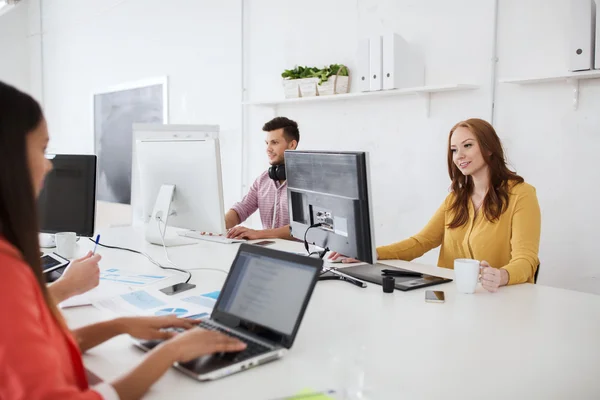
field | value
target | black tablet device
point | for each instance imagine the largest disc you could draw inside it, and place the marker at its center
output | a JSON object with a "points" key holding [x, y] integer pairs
{"points": [[374, 274]]}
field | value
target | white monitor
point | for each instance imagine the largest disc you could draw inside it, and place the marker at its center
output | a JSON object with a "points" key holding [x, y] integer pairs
{"points": [[180, 180]]}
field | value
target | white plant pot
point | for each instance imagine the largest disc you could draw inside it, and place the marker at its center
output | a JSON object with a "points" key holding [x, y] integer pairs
{"points": [[334, 85], [291, 89], [308, 87]]}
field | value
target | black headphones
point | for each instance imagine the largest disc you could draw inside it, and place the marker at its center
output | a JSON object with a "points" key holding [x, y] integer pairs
{"points": [[277, 172]]}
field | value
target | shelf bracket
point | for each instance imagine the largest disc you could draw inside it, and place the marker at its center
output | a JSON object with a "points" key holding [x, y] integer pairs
{"points": [[575, 87], [426, 98]]}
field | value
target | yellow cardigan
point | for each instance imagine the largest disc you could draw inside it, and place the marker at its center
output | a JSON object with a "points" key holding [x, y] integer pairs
{"points": [[511, 243]]}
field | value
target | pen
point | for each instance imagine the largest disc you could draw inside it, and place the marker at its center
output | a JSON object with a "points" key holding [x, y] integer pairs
{"points": [[348, 278], [96, 245]]}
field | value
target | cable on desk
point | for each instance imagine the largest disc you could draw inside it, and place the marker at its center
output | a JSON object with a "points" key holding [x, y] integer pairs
{"points": [[175, 265], [209, 269], [153, 261]]}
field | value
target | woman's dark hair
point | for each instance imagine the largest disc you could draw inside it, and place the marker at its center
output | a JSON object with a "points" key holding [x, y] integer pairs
{"points": [[496, 199], [20, 114]]}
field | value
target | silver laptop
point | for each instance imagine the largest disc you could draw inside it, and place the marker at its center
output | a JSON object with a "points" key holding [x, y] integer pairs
{"points": [[262, 303]]}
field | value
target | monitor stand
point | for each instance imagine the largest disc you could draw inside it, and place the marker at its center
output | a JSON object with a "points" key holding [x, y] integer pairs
{"points": [[47, 240], [157, 226]]}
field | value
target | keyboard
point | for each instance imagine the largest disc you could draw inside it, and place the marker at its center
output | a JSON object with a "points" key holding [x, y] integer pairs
{"points": [[253, 348], [209, 238]]}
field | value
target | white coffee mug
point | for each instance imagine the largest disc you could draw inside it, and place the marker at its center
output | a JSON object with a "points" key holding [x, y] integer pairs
{"points": [[466, 275], [65, 244]]}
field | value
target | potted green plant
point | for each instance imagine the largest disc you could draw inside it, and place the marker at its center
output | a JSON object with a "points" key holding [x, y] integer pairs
{"points": [[300, 81], [334, 80], [312, 81]]}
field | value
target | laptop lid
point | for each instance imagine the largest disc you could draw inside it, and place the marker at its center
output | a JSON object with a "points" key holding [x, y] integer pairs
{"points": [[266, 293]]}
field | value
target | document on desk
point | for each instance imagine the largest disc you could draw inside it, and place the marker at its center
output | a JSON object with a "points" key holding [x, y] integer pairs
{"points": [[206, 299], [149, 302], [130, 278], [113, 282], [103, 290]]}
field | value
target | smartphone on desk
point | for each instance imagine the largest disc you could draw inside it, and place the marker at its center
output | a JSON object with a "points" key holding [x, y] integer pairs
{"points": [[264, 243], [435, 296], [177, 288]]}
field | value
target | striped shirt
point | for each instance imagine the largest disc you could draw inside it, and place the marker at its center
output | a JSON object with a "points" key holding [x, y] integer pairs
{"points": [[269, 197]]}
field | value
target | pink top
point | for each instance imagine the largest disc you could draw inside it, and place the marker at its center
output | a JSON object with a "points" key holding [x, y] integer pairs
{"points": [[269, 197]]}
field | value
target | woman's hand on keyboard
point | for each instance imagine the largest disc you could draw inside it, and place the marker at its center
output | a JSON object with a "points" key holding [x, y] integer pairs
{"points": [[154, 328], [198, 342]]}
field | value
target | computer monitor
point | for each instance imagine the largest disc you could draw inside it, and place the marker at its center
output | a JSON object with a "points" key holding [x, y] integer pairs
{"points": [[180, 180], [67, 203], [331, 189]]}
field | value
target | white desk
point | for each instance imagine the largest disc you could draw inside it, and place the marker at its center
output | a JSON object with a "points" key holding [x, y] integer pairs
{"points": [[526, 341]]}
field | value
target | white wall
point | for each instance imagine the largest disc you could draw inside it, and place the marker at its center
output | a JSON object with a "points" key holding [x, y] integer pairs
{"points": [[553, 146], [198, 45], [14, 48], [93, 45]]}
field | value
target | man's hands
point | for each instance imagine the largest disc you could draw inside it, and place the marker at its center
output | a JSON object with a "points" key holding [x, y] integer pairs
{"points": [[242, 232]]}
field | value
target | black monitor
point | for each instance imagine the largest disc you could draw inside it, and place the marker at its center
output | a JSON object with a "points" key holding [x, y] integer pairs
{"points": [[67, 202], [331, 189]]}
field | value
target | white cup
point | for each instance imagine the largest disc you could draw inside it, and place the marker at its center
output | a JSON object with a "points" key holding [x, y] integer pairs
{"points": [[65, 244], [466, 275]]}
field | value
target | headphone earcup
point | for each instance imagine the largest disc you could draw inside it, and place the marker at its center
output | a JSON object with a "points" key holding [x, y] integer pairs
{"points": [[273, 172], [277, 172], [281, 172]]}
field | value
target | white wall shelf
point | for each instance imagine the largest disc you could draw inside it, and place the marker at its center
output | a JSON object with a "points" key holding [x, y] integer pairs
{"points": [[571, 78], [421, 91]]}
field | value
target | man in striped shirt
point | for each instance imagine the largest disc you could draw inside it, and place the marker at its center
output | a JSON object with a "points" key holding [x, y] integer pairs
{"points": [[268, 193]]}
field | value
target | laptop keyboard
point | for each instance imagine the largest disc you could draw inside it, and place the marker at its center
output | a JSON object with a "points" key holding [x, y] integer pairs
{"points": [[253, 348]]}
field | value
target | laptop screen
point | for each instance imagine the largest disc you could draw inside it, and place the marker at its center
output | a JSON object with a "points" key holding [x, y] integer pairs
{"points": [[268, 291]]}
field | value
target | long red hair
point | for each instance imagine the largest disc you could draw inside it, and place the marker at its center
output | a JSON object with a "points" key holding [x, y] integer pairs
{"points": [[496, 199]]}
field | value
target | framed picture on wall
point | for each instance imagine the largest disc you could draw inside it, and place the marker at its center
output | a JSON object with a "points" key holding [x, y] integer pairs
{"points": [[115, 110]]}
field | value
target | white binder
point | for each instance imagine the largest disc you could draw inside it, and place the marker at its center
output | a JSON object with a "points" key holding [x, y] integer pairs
{"points": [[363, 67], [402, 66], [582, 35], [375, 63], [597, 26]]}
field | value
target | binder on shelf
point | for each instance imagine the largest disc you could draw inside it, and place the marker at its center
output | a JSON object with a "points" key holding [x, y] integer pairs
{"points": [[597, 26], [363, 61], [582, 35], [375, 63], [402, 65]]}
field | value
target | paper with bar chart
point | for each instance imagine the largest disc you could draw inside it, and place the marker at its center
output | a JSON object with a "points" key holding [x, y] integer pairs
{"points": [[117, 275], [148, 302]]}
